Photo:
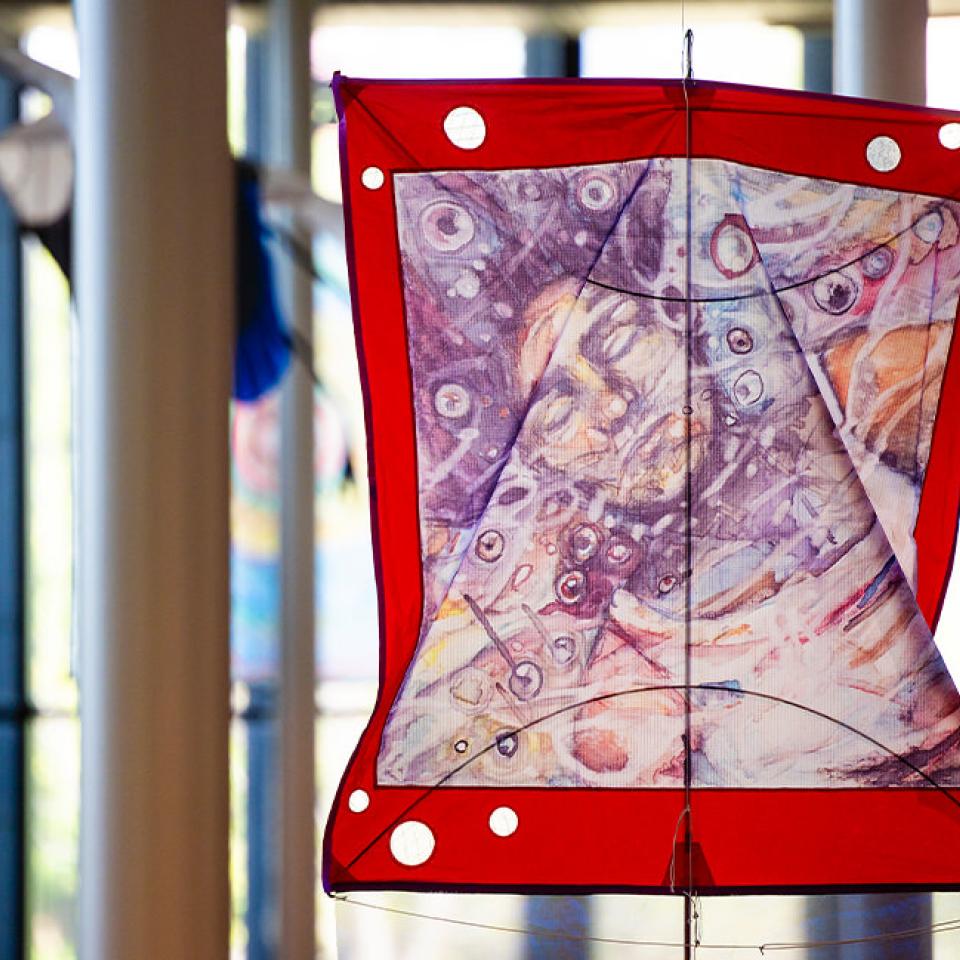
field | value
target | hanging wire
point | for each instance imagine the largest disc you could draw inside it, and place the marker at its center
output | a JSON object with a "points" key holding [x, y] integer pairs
{"points": [[943, 926], [527, 932], [687, 57]]}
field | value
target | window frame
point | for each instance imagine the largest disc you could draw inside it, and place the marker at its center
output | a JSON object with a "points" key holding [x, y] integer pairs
{"points": [[15, 709]]}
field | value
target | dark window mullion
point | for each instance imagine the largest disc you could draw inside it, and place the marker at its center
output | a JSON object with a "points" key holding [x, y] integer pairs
{"points": [[13, 705]]}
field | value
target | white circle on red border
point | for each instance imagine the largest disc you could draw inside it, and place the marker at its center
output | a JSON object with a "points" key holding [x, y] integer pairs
{"points": [[465, 128], [372, 178], [358, 801], [504, 821], [884, 154], [412, 843], [950, 136]]}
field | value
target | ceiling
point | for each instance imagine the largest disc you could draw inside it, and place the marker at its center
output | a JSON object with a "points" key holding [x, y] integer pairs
{"points": [[15, 15]]}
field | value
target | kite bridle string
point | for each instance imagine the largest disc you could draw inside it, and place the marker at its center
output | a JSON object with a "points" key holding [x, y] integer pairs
{"points": [[690, 904], [943, 926]]}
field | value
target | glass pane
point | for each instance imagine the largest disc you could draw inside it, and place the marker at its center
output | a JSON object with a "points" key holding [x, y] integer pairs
{"points": [[53, 804], [752, 921], [49, 495], [417, 50], [347, 624], [255, 530], [657, 919], [236, 88], [366, 932], [943, 41], [736, 51], [946, 911], [238, 840], [11, 829]]}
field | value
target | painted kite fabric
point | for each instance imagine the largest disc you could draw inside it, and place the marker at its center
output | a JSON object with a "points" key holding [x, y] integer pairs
{"points": [[673, 415]]}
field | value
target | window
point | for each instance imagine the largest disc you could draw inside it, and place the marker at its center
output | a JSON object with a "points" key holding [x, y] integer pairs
{"points": [[39, 727]]}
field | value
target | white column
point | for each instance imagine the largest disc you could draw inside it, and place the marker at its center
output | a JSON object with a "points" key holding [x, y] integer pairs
{"points": [[880, 49], [288, 146], [154, 279]]}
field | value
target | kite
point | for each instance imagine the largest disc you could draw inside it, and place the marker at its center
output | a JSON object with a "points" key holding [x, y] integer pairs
{"points": [[662, 388]]}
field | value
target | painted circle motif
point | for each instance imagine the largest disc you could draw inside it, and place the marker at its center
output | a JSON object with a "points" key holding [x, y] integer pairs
{"points": [[507, 744], [452, 401], [596, 192], [584, 542], [836, 292], [739, 340], [570, 586], [667, 583], [489, 546], [732, 248], [877, 263], [563, 649], [447, 226], [619, 552], [748, 388], [526, 681], [928, 228]]}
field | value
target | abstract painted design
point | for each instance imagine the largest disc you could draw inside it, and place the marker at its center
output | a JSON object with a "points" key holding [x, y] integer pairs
{"points": [[597, 501]]}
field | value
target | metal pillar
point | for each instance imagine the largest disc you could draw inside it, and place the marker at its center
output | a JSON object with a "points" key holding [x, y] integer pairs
{"points": [[817, 59], [13, 705], [570, 916], [288, 146], [855, 917], [880, 49], [260, 718], [154, 268], [552, 55], [262, 862]]}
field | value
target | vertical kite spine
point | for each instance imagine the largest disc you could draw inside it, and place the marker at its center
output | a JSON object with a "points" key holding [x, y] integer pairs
{"points": [[689, 915]]}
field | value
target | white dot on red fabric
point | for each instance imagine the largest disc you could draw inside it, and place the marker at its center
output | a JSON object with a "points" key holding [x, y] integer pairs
{"points": [[504, 821], [465, 128], [412, 843], [372, 178]]}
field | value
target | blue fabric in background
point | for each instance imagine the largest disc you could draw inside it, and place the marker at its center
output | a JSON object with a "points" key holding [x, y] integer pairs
{"points": [[263, 343]]}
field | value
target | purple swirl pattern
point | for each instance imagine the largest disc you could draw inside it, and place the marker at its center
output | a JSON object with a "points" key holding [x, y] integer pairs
{"points": [[546, 317]]}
